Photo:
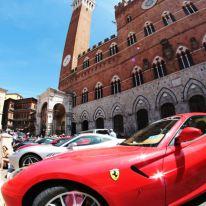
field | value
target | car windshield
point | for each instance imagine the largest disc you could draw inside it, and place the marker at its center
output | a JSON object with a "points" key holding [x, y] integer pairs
{"points": [[152, 135], [60, 142]]}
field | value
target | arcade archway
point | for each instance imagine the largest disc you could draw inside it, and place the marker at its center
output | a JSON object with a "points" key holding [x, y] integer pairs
{"points": [[197, 104], [59, 116], [142, 119], [167, 110], [43, 119]]}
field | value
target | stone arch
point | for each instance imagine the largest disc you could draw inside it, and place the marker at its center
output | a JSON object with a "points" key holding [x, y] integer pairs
{"points": [[141, 102], [113, 44], [136, 69], [84, 116], [98, 84], [158, 59], [115, 78], [193, 87], [43, 118], [99, 113], [165, 95], [59, 118], [117, 110]]}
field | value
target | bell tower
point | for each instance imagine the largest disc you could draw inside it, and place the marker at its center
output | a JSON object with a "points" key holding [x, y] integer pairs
{"points": [[78, 36]]}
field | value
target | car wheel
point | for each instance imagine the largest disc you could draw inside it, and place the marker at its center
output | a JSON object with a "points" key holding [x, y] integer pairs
{"points": [[28, 160], [62, 196]]}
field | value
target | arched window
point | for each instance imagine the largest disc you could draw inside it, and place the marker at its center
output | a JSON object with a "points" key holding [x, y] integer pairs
{"points": [[184, 57], [159, 67], [129, 18], [118, 123], [204, 42], [189, 7], [86, 63], [197, 104], [168, 18], [98, 91], [137, 76], [85, 125], [167, 110], [113, 49], [131, 39], [146, 64], [149, 28], [74, 100], [84, 95], [99, 56], [100, 123], [142, 119], [115, 85]]}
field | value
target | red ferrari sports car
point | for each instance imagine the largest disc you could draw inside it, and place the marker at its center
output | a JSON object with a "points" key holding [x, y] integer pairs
{"points": [[163, 164]]}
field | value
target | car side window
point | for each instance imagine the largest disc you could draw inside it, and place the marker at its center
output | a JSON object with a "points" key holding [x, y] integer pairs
{"points": [[102, 132], [198, 122], [87, 140], [104, 139]]}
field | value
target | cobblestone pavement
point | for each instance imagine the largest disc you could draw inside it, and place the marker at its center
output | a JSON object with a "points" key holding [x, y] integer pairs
{"points": [[200, 201]]}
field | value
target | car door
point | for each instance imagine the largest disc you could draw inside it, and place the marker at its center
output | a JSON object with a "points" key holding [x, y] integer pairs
{"points": [[184, 166]]}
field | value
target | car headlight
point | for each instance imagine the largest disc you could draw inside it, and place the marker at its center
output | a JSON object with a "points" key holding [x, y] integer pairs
{"points": [[13, 174]]}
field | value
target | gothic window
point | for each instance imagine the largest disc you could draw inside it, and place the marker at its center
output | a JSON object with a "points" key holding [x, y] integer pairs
{"points": [[184, 57], [146, 64], [168, 18], [113, 49], [204, 42], [129, 18], [99, 56], [137, 76], [167, 110], [159, 68], [194, 43], [84, 95], [86, 63], [131, 39], [142, 119], [149, 28], [74, 100], [115, 85], [118, 123], [189, 7], [98, 91]]}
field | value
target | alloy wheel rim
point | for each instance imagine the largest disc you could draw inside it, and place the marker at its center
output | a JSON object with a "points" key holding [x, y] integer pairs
{"points": [[29, 160], [73, 198]]}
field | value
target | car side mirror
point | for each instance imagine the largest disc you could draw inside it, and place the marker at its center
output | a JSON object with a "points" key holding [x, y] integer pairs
{"points": [[72, 145], [188, 134]]}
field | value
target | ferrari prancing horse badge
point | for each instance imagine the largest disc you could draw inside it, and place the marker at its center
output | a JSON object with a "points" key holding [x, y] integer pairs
{"points": [[114, 174]]}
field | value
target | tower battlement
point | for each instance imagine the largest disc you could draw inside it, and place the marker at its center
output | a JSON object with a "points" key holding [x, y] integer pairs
{"points": [[90, 4], [121, 6]]}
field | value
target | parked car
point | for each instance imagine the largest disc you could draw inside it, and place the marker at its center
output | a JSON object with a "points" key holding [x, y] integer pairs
{"points": [[163, 164], [35, 153], [23, 144], [97, 131]]}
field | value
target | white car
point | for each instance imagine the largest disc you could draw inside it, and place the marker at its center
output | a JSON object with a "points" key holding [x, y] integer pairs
{"points": [[31, 154]]}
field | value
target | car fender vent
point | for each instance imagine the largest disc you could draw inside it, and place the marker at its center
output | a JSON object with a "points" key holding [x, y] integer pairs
{"points": [[135, 169]]}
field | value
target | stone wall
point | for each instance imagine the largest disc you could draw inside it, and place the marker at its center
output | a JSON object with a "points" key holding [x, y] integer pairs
{"points": [[176, 88]]}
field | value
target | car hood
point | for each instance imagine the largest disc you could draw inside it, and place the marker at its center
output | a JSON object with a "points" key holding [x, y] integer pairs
{"points": [[112, 156]]}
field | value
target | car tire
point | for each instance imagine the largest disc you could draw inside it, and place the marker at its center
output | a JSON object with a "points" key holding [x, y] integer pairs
{"points": [[32, 158], [51, 196]]}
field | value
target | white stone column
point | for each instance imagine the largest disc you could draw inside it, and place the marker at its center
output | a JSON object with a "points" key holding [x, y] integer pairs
{"points": [[68, 123], [49, 122], [38, 123]]}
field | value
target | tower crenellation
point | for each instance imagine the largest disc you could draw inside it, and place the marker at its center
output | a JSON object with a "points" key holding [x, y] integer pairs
{"points": [[90, 4]]}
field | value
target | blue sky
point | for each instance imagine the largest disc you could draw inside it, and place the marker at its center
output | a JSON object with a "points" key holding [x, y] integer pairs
{"points": [[32, 37]]}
